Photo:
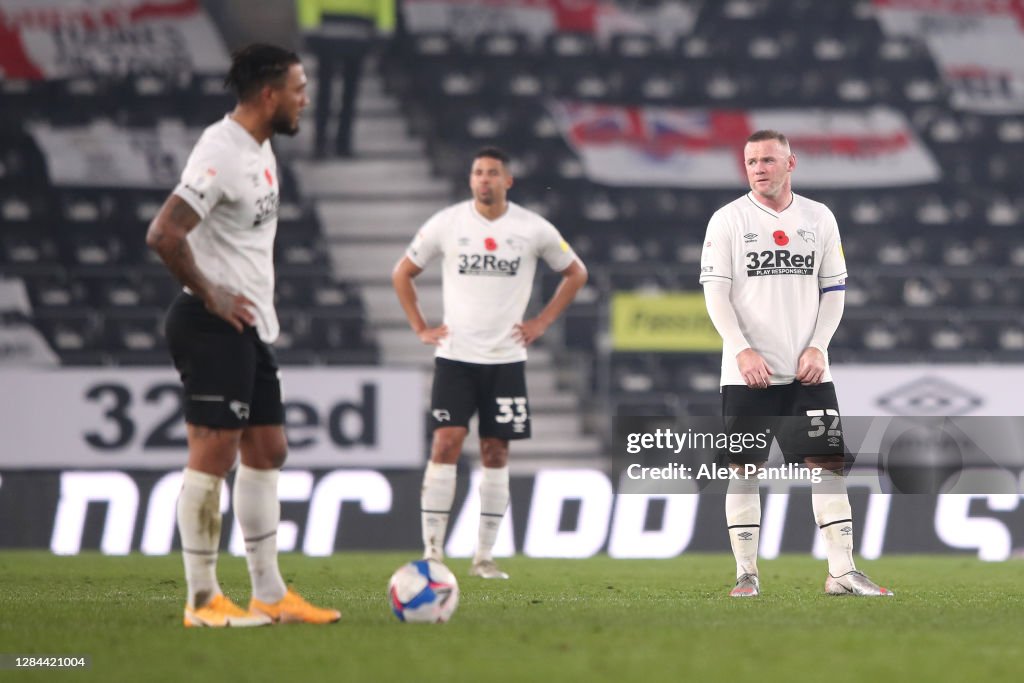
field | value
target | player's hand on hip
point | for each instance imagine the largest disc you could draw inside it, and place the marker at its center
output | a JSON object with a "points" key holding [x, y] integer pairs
{"points": [[754, 369], [811, 367], [432, 336], [529, 331], [236, 309]]}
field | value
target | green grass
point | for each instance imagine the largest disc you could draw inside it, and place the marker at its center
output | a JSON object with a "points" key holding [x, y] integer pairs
{"points": [[953, 619]]}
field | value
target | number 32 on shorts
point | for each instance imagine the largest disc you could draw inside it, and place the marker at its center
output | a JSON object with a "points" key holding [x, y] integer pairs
{"points": [[818, 422], [511, 409]]}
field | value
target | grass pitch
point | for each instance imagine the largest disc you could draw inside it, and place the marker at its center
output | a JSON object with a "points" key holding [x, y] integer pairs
{"points": [[952, 619]]}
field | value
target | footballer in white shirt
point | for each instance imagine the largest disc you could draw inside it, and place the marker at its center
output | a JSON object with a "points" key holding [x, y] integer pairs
{"points": [[489, 248], [774, 278], [215, 233]]}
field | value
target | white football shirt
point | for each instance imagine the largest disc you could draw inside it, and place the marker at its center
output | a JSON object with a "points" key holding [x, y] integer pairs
{"points": [[487, 276], [231, 181], [778, 263]]}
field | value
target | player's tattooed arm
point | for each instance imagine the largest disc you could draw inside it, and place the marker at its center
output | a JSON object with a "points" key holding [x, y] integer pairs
{"points": [[168, 237]]}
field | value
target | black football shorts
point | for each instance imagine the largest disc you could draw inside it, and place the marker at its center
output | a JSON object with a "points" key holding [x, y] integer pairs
{"points": [[496, 392], [803, 419], [231, 378]]}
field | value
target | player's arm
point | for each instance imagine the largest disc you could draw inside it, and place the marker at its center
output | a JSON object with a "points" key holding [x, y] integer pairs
{"points": [[168, 237], [402, 279], [752, 366], [716, 271], [811, 367], [832, 283], [573, 279]]}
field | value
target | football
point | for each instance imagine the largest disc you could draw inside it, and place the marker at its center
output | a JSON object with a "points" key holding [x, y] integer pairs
{"points": [[424, 592]]}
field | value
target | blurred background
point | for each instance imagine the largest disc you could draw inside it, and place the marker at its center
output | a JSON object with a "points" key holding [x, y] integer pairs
{"points": [[625, 121]]}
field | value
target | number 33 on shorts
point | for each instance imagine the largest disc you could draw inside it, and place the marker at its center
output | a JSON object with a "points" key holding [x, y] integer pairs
{"points": [[512, 409]]}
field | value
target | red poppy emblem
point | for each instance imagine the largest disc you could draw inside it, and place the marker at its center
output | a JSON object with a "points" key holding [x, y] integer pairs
{"points": [[270, 178], [490, 244], [781, 238]]}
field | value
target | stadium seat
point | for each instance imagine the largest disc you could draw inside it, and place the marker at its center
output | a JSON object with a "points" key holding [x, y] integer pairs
{"points": [[501, 45], [134, 329], [76, 335], [633, 46], [570, 48], [22, 167], [26, 246], [50, 287]]}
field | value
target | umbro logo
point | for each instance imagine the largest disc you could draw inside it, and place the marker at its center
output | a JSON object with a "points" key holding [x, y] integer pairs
{"points": [[833, 441], [745, 536], [846, 530], [750, 237], [441, 415]]}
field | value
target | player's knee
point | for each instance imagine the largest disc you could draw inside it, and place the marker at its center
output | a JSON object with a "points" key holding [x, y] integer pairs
{"points": [[264, 447], [833, 463], [212, 463], [277, 457], [212, 450], [493, 452], [267, 455], [447, 445]]}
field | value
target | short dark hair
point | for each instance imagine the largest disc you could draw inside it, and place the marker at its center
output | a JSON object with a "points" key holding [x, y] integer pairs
{"points": [[257, 65], [492, 153], [768, 134]]}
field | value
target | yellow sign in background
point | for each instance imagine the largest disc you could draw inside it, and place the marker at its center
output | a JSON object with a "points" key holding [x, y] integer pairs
{"points": [[673, 321]]}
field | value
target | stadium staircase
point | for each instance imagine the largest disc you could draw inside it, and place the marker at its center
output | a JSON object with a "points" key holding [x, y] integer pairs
{"points": [[369, 207]]}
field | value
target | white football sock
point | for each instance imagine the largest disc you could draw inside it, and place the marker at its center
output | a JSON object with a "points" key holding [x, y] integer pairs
{"points": [[494, 497], [199, 527], [743, 515], [833, 515], [258, 512], [436, 500]]}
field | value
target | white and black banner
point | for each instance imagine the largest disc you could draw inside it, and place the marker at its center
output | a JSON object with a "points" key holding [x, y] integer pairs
{"points": [[538, 19], [929, 390], [623, 145], [977, 46], [126, 418], [55, 39], [104, 155], [554, 513]]}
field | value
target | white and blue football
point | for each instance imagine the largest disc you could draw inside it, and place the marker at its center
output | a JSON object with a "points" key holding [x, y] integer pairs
{"points": [[423, 592]]}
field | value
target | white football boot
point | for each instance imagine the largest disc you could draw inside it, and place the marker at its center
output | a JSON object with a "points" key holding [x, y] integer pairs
{"points": [[487, 569], [747, 586], [855, 583]]}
